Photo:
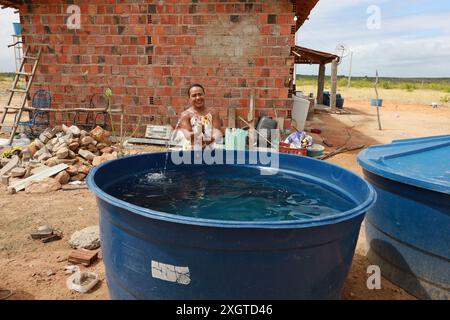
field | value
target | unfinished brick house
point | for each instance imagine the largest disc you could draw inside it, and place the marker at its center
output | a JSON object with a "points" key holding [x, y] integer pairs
{"points": [[149, 52]]}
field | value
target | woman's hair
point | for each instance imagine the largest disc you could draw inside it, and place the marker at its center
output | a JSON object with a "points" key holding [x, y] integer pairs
{"points": [[193, 86]]}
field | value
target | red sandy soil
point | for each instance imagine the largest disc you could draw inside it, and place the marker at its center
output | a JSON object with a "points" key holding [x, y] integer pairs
{"points": [[34, 270]]}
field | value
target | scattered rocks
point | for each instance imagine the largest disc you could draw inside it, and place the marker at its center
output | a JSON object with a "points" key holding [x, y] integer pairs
{"points": [[69, 145], [63, 177], [46, 234], [74, 146], [78, 177], [101, 135], [86, 141], [18, 172], [103, 158], [62, 153], [43, 186], [88, 238], [86, 154], [50, 273], [74, 130], [42, 232]]}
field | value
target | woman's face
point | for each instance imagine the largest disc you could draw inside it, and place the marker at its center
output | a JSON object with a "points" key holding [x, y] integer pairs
{"points": [[197, 97]]}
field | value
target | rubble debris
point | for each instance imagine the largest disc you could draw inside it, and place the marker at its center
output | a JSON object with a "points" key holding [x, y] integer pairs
{"points": [[86, 154], [78, 149], [101, 135], [83, 256], [10, 165], [46, 234], [103, 158], [17, 172], [42, 186], [88, 238], [4, 180], [71, 269], [57, 235], [82, 281], [42, 232], [62, 178]]}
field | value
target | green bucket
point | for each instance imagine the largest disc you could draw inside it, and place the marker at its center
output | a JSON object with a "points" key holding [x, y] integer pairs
{"points": [[316, 150]]}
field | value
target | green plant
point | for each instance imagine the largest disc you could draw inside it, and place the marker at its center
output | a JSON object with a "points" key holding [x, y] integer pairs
{"points": [[408, 86], [445, 99], [123, 136], [386, 85]]}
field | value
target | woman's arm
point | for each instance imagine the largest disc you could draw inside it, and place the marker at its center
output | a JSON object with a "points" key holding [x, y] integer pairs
{"points": [[185, 126]]}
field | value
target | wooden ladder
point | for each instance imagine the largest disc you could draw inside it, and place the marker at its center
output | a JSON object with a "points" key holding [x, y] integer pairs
{"points": [[19, 110]]}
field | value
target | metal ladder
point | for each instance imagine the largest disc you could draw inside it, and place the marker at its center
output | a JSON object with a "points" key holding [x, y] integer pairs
{"points": [[19, 110]]}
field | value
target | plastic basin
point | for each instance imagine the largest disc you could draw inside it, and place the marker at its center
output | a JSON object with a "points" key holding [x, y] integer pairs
{"points": [[156, 255]]}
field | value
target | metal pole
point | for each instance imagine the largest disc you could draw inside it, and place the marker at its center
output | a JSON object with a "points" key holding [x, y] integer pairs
{"points": [[350, 70]]}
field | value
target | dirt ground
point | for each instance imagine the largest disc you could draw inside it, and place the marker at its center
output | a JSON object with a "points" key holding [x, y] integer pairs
{"points": [[34, 270]]}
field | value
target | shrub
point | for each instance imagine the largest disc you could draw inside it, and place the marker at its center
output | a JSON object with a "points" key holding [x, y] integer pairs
{"points": [[408, 86], [445, 99], [386, 85]]}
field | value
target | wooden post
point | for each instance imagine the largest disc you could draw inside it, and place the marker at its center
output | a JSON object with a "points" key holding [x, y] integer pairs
{"points": [[333, 93], [231, 117], [378, 108], [321, 83], [251, 120]]}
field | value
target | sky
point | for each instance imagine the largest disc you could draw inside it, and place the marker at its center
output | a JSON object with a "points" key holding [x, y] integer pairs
{"points": [[399, 38], [7, 17], [411, 38]]}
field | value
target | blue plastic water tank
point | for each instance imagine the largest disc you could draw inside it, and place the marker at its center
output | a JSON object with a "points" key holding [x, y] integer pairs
{"points": [[156, 255], [339, 99], [17, 28], [408, 229]]}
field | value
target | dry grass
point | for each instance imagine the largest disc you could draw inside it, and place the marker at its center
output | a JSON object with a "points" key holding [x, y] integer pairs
{"points": [[419, 96]]}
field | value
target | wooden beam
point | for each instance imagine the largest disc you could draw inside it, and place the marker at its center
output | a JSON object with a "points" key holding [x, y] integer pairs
{"points": [[231, 117]]}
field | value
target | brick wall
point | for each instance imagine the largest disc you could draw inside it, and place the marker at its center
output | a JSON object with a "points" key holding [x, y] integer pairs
{"points": [[149, 52]]}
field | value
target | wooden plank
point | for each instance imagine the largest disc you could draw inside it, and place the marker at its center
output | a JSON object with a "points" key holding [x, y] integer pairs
{"points": [[251, 121], [19, 185], [280, 123], [63, 110], [231, 117]]}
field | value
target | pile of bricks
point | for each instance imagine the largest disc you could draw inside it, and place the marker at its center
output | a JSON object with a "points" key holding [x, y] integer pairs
{"points": [[79, 149]]}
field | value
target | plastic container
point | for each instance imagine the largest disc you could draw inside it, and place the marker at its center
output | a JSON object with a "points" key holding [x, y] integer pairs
{"points": [[285, 148], [376, 102], [316, 150], [82, 281], [156, 255], [17, 28], [300, 112], [264, 126], [339, 99], [408, 229]]}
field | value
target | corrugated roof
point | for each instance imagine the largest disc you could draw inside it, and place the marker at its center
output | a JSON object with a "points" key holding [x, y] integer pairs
{"points": [[11, 3], [309, 56]]}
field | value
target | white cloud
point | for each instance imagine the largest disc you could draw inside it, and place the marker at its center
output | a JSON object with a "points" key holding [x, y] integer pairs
{"points": [[7, 17], [412, 46]]}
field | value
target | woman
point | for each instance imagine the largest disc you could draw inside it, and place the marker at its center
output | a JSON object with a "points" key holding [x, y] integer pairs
{"points": [[199, 124]]}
